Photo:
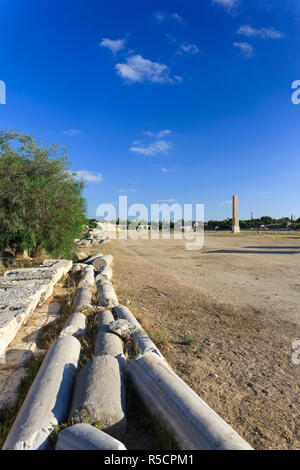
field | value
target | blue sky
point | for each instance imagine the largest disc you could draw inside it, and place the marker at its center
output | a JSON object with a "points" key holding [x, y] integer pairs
{"points": [[162, 100]]}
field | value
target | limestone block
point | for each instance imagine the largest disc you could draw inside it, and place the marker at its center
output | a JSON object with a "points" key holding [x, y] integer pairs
{"points": [[99, 396], [75, 325], [195, 425], [47, 402], [82, 256], [52, 270], [86, 437], [18, 299], [107, 295]]}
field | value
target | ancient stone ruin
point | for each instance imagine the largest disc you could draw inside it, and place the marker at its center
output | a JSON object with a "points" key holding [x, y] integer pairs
{"points": [[90, 399]]}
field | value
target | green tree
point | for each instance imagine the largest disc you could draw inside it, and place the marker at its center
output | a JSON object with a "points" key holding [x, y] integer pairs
{"points": [[41, 202]]}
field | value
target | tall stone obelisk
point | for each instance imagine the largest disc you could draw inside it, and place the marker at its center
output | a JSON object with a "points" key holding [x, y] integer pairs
{"points": [[235, 215]]}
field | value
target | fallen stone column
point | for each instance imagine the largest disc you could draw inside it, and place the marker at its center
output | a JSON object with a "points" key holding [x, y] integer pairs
{"points": [[141, 341], [105, 273], [86, 437], [99, 396], [142, 344], [107, 295], [195, 425], [88, 277], [90, 259], [78, 267], [83, 299], [47, 402], [75, 325], [102, 261], [124, 313], [107, 343]]}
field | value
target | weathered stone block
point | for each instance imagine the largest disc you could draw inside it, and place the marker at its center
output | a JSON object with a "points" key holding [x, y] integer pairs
{"points": [[18, 299]]}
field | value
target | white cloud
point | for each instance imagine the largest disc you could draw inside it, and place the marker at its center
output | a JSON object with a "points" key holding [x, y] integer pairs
{"points": [[72, 132], [88, 176], [188, 48], [114, 45], [245, 48], [229, 5], [165, 170], [162, 17], [138, 69], [148, 133], [127, 191], [164, 133], [263, 33], [155, 148], [177, 17]]}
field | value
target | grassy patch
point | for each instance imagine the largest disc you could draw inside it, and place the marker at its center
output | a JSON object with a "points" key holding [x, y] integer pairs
{"points": [[188, 340], [143, 430], [159, 334], [9, 414], [88, 342], [84, 418]]}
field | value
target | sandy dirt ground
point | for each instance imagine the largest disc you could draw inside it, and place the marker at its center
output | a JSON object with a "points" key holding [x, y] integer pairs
{"points": [[225, 317]]}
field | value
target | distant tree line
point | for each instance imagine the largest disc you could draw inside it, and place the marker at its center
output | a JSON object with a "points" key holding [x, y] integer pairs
{"points": [[266, 221], [226, 224]]}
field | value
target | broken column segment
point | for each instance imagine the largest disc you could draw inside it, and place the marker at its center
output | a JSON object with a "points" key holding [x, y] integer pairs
{"points": [[108, 343], [107, 295], [99, 396], [86, 437], [48, 400], [75, 325], [194, 424]]}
